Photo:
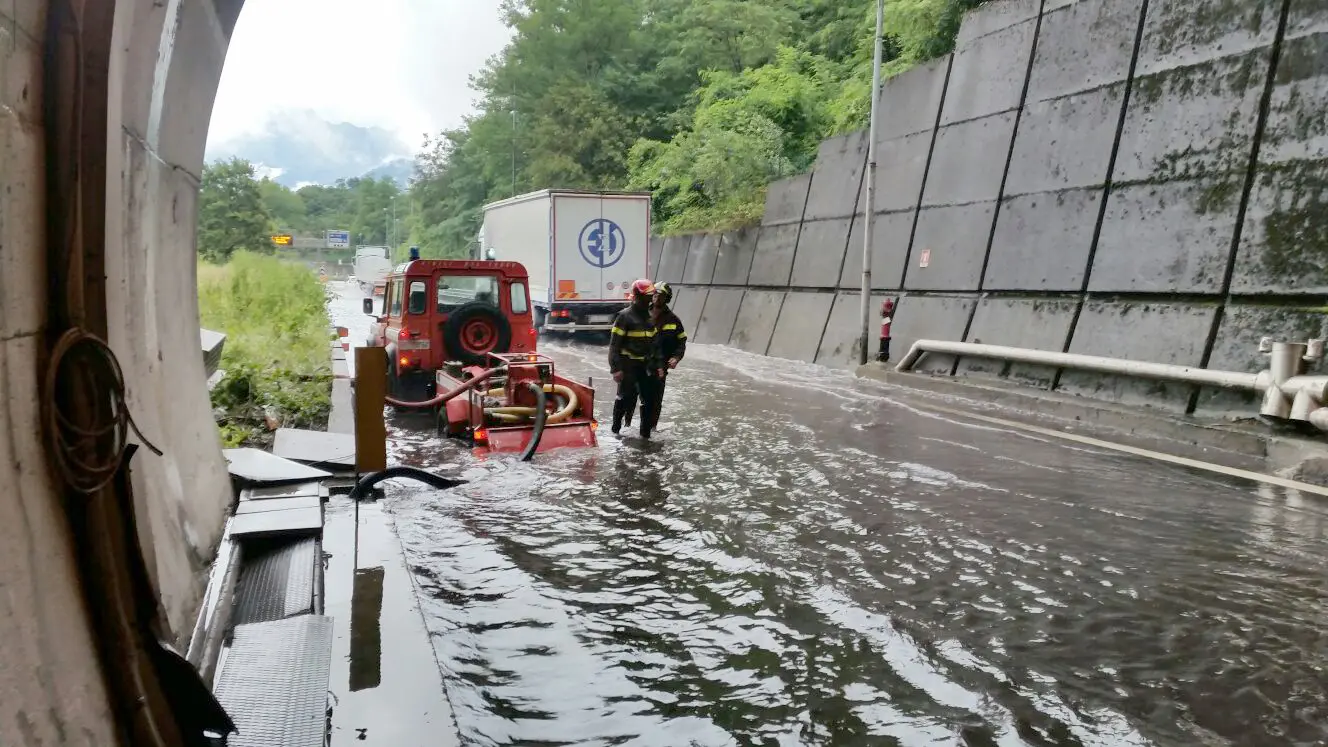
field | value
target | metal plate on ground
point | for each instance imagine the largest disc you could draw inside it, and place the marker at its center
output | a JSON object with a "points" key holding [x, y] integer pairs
{"points": [[277, 581], [278, 504], [282, 491], [274, 684], [256, 465], [270, 523], [332, 449]]}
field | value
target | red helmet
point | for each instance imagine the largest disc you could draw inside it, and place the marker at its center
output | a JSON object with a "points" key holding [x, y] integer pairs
{"points": [[643, 287]]}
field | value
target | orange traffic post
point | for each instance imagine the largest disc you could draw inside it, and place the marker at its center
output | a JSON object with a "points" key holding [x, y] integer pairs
{"points": [[370, 399]]}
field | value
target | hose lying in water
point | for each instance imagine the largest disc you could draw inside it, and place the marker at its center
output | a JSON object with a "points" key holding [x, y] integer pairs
{"points": [[516, 414], [541, 417], [368, 482]]}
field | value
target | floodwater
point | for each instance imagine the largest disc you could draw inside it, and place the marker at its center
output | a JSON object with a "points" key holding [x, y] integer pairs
{"points": [[801, 558]]}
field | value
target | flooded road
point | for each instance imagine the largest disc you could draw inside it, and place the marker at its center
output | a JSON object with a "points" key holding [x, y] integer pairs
{"points": [[802, 558]]}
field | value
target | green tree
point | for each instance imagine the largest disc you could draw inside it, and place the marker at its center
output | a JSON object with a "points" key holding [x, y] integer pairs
{"points": [[232, 215], [287, 207]]}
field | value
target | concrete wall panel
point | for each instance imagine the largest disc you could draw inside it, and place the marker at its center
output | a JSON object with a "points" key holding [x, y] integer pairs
{"points": [[756, 320], [1065, 142], [1042, 241], [1019, 322], [785, 200], [774, 255], [688, 304], [737, 249], [801, 322], [1284, 243], [656, 255], [1157, 333], [902, 163], [820, 257], [701, 256], [969, 160], [889, 250], [1083, 46], [1185, 147], [719, 316], [674, 258], [837, 177], [989, 69], [911, 100], [929, 318], [956, 239]]}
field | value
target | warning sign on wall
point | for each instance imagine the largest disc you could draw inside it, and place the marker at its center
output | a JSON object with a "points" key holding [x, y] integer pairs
{"points": [[925, 258]]}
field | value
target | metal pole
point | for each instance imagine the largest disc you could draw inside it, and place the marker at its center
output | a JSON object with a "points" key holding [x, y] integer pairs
{"points": [[868, 211]]}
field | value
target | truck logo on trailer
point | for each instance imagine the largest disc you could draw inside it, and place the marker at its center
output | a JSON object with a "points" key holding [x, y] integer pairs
{"points": [[602, 243]]}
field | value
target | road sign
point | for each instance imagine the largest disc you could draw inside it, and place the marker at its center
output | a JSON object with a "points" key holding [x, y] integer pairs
{"points": [[602, 243], [283, 239], [338, 239], [925, 259]]}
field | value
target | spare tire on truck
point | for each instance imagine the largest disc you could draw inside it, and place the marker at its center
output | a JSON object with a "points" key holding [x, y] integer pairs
{"points": [[475, 330]]}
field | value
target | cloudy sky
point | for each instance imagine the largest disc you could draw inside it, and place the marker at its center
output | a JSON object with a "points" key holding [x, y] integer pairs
{"points": [[399, 64]]}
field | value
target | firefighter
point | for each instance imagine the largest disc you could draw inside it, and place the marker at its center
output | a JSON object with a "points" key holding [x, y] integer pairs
{"points": [[670, 341], [633, 359], [887, 317]]}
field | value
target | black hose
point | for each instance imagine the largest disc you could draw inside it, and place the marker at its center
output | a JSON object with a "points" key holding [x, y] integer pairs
{"points": [[541, 415], [368, 482]]}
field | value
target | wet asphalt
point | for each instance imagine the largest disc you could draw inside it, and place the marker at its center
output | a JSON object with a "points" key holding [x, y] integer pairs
{"points": [[803, 558]]}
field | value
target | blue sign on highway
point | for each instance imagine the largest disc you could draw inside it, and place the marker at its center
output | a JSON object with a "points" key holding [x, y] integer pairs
{"points": [[338, 239], [602, 243]]}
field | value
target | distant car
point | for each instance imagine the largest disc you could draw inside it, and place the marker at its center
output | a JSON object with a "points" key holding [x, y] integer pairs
{"points": [[351, 279]]}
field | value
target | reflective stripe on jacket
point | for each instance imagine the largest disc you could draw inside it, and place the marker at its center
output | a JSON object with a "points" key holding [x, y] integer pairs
{"points": [[670, 336], [633, 339]]}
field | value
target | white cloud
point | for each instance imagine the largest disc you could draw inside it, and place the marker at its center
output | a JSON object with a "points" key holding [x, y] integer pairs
{"points": [[399, 64]]}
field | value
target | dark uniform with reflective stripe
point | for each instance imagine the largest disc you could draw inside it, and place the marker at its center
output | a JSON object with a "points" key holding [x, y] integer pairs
{"points": [[632, 350], [670, 344]]}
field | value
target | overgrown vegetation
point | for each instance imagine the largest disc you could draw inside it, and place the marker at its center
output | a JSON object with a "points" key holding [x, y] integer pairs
{"points": [[704, 102], [276, 356]]}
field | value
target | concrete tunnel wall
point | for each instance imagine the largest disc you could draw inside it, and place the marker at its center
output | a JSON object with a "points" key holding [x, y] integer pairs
{"points": [[164, 67], [1092, 176]]}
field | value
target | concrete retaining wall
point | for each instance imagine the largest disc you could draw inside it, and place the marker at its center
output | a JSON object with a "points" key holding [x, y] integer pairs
{"points": [[1081, 175]]}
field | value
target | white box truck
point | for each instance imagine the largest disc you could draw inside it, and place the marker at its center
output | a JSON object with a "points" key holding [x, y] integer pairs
{"points": [[371, 266], [582, 250]]}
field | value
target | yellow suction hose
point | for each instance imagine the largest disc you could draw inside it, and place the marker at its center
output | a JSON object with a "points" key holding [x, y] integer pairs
{"points": [[509, 414]]}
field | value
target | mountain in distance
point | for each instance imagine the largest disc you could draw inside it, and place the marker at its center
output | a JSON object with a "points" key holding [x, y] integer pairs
{"points": [[300, 147]]}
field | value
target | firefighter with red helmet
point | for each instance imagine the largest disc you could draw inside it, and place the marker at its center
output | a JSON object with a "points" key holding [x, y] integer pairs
{"points": [[633, 359]]}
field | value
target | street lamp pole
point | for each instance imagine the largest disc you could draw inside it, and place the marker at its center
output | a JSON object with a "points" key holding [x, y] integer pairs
{"points": [[869, 211]]}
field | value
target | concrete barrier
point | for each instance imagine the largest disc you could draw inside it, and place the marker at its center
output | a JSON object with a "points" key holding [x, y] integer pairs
{"points": [[701, 259], [674, 258], [757, 316], [819, 259], [801, 322], [688, 304], [1284, 241], [1062, 152], [1156, 332], [733, 264], [892, 233], [1185, 148], [773, 263], [929, 317], [719, 316], [1042, 324]]}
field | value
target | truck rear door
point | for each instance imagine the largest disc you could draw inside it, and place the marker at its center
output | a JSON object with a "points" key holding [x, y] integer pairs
{"points": [[591, 249], [627, 219]]}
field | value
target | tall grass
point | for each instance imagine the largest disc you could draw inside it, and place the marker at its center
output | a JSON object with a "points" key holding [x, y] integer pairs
{"points": [[276, 358]]}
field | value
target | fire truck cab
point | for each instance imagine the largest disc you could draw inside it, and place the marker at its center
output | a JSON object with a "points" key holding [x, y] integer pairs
{"points": [[435, 312]]}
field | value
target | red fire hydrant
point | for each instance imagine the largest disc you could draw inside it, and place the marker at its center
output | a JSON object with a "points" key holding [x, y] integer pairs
{"points": [[887, 316]]}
